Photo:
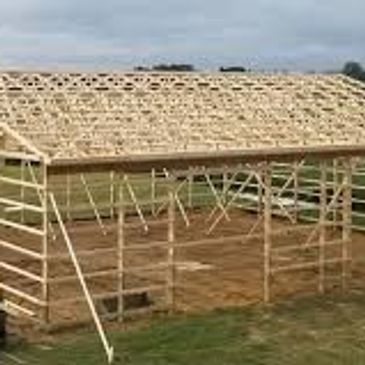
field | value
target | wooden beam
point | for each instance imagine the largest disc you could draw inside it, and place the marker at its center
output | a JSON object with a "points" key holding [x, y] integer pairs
{"points": [[267, 174], [322, 225], [171, 248], [45, 223], [120, 244], [108, 349], [346, 221], [144, 163]]}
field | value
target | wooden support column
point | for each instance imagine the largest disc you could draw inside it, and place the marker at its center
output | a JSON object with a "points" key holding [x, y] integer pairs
{"points": [[68, 197], [190, 188], [153, 192], [112, 194], [171, 244], [296, 190], [2, 148], [260, 195], [267, 205], [335, 187], [22, 190], [3, 315], [45, 285], [225, 184], [322, 225], [120, 243], [346, 221]]}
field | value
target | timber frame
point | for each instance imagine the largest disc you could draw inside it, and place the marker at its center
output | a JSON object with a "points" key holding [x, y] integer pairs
{"points": [[290, 153]]}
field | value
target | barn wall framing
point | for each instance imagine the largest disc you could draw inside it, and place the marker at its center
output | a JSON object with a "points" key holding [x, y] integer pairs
{"points": [[313, 197]]}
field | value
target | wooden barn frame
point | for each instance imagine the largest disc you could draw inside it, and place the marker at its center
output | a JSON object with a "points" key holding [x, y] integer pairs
{"points": [[171, 150]]}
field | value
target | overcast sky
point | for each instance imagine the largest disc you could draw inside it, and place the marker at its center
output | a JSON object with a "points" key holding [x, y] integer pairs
{"points": [[270, 34]]}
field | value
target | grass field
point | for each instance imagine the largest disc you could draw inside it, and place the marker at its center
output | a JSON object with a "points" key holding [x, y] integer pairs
{"points": [[318, 330]]}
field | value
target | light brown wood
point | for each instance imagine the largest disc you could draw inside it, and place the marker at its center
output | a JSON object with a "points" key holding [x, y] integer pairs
{"points": [[267, 231], [68, 196], [45, 226], [322, 226], [169, 125], [170, 280], [211, 112], [121, 243], [346, 221]]}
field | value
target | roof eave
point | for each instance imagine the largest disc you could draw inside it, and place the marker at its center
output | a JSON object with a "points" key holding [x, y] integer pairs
{"points": [[183, 160]]}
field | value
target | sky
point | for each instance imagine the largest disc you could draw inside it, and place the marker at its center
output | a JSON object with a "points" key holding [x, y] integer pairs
{"points": [[259, 34]]}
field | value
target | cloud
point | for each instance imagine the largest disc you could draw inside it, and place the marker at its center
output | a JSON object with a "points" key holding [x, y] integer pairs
{"points": [[293, 34]]}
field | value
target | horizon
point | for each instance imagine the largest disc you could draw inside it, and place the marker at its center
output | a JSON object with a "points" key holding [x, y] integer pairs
{"points": [[288, 36]]}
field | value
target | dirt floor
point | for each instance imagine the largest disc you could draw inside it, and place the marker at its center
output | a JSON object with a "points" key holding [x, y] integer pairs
{"points": [[224, 271]]}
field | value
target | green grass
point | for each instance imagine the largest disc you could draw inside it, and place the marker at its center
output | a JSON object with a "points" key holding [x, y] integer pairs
{"points": [[319, 330]]}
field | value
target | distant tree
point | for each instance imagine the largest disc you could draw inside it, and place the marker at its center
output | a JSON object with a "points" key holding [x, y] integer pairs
{"points": [[232, 69], [354, 70], [141, 68], [174, 67]]}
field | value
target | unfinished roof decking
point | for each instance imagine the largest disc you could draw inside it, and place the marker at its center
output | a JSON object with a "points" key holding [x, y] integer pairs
{"points": [[75, 116]]}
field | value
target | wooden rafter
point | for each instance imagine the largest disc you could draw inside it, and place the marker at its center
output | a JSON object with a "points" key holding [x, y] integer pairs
{"points": [[71, 115]]}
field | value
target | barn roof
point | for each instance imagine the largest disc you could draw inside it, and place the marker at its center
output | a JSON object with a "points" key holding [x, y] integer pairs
{"points": [[77, 115]]}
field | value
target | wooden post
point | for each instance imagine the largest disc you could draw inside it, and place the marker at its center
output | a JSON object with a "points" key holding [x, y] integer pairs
{"points": [[259, 194], [112, 195], [296, 190], [322, 224], [109, 350], [225, 184], [153, 192], [68, 197], [22, 190], [2, 147], [267, 230], [45, 286], [171, 241], [121, 242], [190, 188], [2, 322], [346, 220], [335, 187], [93, 205]]}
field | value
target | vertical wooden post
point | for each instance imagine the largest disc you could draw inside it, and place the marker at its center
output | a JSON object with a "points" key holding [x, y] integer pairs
{"points": [[171, 241], [2, 147], [346, 220], [2, 322], [334, 189], [260, 195], [68, 197], [22, 190], [267, 179], [45, 286], [296, 190], [153, 192], [322, 224], [190, 188], [225, 184], [112, 194], [121, 242]]}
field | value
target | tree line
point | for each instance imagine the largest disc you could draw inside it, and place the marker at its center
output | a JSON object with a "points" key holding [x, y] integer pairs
{"points": [[352, 69], [182, 67]]}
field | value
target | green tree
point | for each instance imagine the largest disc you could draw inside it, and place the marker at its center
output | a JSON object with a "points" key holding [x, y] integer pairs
{"points": [[354, 70], [232, 69], [182, 67]]}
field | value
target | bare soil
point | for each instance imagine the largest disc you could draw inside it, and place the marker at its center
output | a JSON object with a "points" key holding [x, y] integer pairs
{"points": [[225, 273]]}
